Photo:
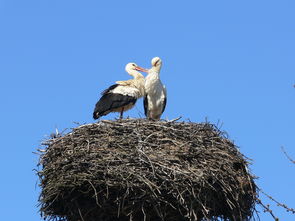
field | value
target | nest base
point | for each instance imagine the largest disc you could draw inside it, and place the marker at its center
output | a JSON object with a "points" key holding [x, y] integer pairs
{"points": [[136, 169]]}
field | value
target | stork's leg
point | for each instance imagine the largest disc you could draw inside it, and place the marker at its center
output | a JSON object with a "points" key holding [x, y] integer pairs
{"points": [[121, 113]]}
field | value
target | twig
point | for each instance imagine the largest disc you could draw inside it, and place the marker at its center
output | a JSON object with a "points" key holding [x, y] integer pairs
{"points": [[289, 158], [80, 214], [277, 202], [41, 150], [95, 192], [173, 120], [267, 209]]}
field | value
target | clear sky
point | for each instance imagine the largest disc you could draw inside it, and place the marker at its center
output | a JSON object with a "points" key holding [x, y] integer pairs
{"points": [[228, 61]]}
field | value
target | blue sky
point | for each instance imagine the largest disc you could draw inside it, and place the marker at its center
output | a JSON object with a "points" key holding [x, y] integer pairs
{"points": [[227, 61]]}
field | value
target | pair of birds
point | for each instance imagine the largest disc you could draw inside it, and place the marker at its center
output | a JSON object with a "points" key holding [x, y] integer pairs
{"points": [[123, 95]]}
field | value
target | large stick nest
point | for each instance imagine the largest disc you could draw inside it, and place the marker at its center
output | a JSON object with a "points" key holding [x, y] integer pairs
{"points": [[136, 169]]}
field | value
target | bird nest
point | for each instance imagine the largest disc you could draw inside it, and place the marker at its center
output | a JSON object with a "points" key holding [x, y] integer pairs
{"points": [[136, 169]]}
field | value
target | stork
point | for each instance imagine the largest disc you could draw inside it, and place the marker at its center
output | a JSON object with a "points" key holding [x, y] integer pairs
{"points": [[123, 95], [155, 92]]}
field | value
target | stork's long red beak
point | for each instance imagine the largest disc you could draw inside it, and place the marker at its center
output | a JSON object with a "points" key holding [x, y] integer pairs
{"points": [[141, 69]]}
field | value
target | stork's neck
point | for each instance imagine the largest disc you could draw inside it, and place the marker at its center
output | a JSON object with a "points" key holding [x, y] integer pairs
{"points": [[138, 82], [155, 69], [135, 74], [153, 74]]}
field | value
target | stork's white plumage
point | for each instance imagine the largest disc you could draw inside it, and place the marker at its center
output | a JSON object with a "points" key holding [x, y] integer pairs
{"points": [[123, 95], [155, 92]]}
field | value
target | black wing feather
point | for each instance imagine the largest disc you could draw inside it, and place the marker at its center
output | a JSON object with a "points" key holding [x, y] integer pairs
{"points": [[112, 87], [109, 101], [145, 105], [164, 104]]}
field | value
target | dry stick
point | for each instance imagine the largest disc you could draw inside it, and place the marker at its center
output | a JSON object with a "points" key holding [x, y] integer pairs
{"points": [[267, 209], [95, 192], [152, 166], [173, 120], [289, 158], [277, 202], [80, 214]]}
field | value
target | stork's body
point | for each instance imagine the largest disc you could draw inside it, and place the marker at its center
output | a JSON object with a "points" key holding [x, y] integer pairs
{"points": [[155, 92], [121, 96]]}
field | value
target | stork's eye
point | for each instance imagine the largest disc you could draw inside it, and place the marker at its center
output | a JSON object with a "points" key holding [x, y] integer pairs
{"points": [[134, 65], [156, 62]]}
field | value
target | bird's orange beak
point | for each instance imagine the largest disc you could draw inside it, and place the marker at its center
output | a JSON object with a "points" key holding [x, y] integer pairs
{"points": [[141, 69]]}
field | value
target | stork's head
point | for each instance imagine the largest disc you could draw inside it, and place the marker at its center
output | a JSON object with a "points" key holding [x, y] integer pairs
{"points": [[156, 64], [132, 69]]}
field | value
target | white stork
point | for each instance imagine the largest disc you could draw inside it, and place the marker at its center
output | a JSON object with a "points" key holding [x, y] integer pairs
{"points": [[123, 95], [155, 92]]}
